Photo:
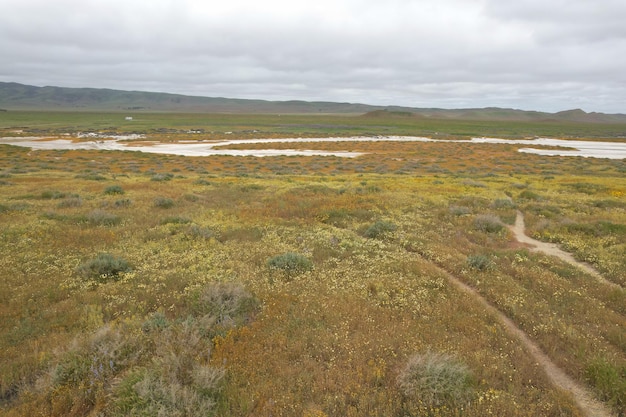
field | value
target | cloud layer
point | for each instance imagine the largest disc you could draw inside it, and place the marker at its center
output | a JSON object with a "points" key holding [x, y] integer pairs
{"points": [[526, 54]]}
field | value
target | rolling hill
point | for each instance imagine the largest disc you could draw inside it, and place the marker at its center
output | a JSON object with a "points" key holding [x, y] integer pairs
{"points": [[14, 96]]}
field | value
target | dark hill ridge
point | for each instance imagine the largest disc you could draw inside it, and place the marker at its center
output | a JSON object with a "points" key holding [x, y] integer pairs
{"points": [[14, 96]]}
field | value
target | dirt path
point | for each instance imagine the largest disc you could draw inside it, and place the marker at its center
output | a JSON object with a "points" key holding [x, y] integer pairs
{"points": [[582, 396], [552, 250], [585, 401]]}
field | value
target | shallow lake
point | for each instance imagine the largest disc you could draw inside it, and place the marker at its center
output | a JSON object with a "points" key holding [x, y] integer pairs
{"points": [[590, 149]]}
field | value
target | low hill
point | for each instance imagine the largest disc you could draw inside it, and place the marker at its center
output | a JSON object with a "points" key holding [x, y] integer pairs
{"points": [[14, 96]]}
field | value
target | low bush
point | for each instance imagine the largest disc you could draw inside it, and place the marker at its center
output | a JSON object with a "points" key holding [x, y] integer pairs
{"points": [[530, 195], [290, 263], [460, 210], [201, 232], [488, 223], [435, 380], [163, 202], [70, 202], [379, 228], [114, 189], [162, 177], [125, 202], [504, 203], [479, 262], [102, 218], [229, 303], [175, 220], [103, 267]]}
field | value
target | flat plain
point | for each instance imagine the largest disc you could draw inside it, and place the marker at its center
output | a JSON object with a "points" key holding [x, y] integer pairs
{"points": [[144, 284]]}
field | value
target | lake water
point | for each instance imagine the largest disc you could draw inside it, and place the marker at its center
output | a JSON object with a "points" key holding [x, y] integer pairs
{"points": [[589, 149]]}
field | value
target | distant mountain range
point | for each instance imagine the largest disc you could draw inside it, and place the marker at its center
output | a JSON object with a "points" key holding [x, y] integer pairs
{"points": [[14, 96]]}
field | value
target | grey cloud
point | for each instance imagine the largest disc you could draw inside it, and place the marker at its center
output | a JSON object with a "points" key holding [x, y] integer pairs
{"points": [[526, 54]]}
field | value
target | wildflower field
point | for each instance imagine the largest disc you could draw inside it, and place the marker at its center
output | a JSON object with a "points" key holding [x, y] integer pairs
{"points": [[137, 284]]}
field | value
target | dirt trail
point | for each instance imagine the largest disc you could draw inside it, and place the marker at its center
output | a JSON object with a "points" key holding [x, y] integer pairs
{"points": [[552, 250], [582, 396], [585, 401]]}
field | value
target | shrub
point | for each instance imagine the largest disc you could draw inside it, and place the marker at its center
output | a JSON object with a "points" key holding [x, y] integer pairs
{"points": [[114, 189], [125, 202], [201, 232], [290, 263], [460, 210], [102, 218], [103, 267], [529, 195], [70, 202], [150, 394], [175, 220], [156, 322], [480, 262], [229, 303], [163, 202], [504, 203], [435, 380], [379, 228], [488, 223], [162, 177]]}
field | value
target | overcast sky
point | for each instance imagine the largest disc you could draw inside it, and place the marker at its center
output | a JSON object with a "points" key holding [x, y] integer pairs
{"points": [[547, 55]]}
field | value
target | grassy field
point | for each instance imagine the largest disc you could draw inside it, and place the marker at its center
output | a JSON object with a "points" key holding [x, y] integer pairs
{"points": [[215, 125], [143, 284]]}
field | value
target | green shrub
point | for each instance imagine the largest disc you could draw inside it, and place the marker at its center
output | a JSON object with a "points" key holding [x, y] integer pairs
{"points": [[163, 202], [480, 262], [114, 189], [290, 263], [379, 228], [436, 380], [504, 203], [530, 195], [103, 267], [488, 223]]}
